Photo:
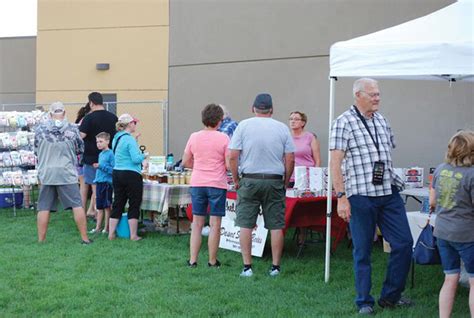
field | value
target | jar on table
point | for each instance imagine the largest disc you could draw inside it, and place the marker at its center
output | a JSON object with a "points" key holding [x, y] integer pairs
{"points": [[182, 179], [162, 178], [187, 177], [176, 179], [170, 179]]}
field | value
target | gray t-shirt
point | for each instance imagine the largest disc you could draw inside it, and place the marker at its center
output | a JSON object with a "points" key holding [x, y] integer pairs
{"points": [[454, 188], [263, 143]]}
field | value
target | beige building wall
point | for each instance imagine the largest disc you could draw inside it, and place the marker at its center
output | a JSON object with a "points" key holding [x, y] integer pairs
{"points": [[130, 35]]}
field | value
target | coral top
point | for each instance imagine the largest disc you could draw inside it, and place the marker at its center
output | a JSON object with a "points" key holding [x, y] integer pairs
{"points": [[209, 150]]}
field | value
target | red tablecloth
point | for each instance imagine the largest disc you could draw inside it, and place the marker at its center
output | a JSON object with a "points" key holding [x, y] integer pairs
{"points": [[305, 212]]}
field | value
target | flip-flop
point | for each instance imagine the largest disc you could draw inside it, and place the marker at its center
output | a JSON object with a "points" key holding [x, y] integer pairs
{"points": [[138, 239]]}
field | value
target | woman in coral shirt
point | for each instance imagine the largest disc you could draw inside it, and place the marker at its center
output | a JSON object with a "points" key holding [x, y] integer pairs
{"points": [[206, 153]]}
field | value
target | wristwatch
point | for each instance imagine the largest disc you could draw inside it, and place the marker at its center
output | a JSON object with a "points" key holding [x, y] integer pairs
{"points": [[340, 194]]}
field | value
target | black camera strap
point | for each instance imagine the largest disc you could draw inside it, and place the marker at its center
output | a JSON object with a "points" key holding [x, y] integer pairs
{"points": [[376, 139]]}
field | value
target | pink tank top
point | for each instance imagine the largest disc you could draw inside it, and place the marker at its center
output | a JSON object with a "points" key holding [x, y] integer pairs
{"points": [[303, 153]]}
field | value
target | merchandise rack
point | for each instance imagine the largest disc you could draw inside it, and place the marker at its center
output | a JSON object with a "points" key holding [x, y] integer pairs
{"points": [[16, 187]]}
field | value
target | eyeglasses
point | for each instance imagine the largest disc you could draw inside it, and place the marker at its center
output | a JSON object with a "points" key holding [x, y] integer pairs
{"points": [[372, 95], [295, 119]]}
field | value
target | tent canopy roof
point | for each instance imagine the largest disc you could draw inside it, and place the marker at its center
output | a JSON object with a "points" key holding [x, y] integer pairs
{"points": [[436, 46]]}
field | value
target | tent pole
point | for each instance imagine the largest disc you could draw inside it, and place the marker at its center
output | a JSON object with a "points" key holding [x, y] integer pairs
{"points": [[332, 88]]}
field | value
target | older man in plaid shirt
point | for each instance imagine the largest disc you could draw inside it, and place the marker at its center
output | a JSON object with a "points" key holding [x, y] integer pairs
{"points": [[361, 142], [228, 125]]}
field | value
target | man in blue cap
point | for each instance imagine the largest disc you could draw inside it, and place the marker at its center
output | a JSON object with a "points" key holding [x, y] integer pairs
{"points": [[265, 151]]}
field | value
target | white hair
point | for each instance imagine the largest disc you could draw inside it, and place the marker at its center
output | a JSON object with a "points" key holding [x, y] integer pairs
{"points": [[359, 84], [225, 110]]}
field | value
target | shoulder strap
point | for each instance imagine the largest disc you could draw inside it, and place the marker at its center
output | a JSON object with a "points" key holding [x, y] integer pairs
{"points": [[429, 216], [116, 143]]}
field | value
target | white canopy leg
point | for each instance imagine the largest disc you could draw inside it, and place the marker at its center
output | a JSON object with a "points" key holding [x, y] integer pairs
{"points": [[329, 192]]}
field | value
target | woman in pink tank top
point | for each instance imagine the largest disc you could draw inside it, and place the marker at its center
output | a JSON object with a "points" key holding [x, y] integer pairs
{"points": [[307, 152]]}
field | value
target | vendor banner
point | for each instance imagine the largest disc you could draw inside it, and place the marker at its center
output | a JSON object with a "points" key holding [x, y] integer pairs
{"points": [[230, 234]]}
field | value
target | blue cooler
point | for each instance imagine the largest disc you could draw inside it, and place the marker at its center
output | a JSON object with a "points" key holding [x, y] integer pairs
{"points": [[123, 230], [7, 199]]}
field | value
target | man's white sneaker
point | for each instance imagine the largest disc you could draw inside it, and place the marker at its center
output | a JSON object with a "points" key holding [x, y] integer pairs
{"points": [[205, 231], [246, 273]]}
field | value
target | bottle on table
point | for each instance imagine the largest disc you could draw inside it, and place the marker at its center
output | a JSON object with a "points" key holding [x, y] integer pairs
{"points": [[169, 162]]}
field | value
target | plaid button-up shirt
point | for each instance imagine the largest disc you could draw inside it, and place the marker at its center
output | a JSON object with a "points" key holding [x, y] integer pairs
{"points": [[349, 134], [228, 126]]}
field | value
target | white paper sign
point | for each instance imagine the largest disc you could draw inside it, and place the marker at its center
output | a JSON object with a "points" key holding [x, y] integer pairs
{"points": [[316, 178], [156, 164], [301, 178], [230, 233]]}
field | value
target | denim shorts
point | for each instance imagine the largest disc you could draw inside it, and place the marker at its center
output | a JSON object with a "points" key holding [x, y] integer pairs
{"points": [[204, 197], [103, 195], [89, 174], [80, 171], [452, 252]]}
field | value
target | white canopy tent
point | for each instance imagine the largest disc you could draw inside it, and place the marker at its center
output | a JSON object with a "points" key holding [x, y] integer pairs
{"points": [[438, 46]]}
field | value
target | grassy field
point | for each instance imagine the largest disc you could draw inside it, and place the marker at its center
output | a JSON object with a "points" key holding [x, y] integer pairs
{"points": [[149, 278]]}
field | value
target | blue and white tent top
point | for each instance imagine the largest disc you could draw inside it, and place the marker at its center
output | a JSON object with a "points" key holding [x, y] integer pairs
{"points": [[439, 45]]}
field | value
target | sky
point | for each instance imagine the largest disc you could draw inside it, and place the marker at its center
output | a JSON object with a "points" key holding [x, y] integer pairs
{"points": [[18, 18]]}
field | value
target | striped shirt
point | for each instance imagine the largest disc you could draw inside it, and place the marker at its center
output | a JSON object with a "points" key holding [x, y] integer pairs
{"points": [[349, 134]]}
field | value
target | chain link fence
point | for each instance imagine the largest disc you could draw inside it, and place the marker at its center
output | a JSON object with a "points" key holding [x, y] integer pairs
{"points": [[153, 119]]}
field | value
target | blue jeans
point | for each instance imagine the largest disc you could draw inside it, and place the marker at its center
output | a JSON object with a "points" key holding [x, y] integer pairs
{"points": [[388, 212]]}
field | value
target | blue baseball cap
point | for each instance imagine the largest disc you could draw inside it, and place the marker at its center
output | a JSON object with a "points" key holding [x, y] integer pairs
{"points": [[263, 101]]}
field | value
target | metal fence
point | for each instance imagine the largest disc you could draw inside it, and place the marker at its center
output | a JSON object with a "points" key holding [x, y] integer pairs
{"points": [[153, 118]]}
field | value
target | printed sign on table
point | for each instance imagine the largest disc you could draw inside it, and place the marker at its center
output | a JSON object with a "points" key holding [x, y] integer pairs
{"points": [[156, 164], [230, 233]]}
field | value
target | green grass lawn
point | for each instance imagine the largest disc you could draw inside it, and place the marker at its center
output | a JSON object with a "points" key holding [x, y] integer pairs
{"points": [[149, 278]]}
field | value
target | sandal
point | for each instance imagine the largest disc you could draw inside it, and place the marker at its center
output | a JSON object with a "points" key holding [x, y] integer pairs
{"points": [[217, 264], [87, 242]]}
